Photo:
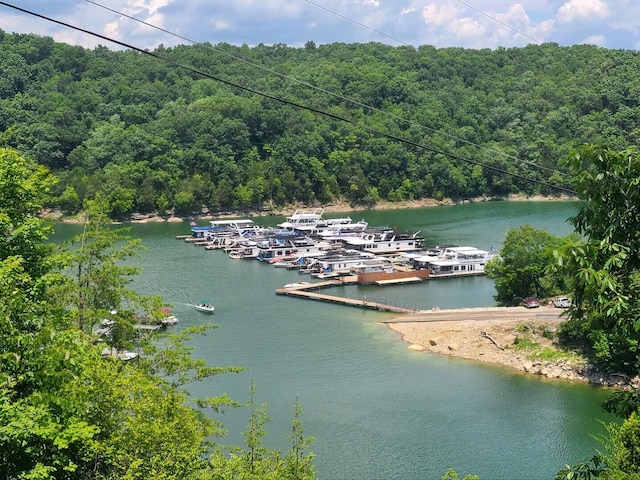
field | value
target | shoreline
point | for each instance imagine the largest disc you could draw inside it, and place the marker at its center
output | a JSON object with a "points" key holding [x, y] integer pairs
{"points": [[336, 207], [484, 336]]}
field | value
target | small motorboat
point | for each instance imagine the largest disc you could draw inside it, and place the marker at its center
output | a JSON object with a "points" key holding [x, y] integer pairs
{"points": [[170, 320], [205, 307]]}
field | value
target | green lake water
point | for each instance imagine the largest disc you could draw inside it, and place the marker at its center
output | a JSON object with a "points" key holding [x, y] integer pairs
{"points": [[375, 409]]}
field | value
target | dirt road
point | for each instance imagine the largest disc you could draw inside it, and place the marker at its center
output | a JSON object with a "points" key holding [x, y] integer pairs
{"points": [[516, 314]]}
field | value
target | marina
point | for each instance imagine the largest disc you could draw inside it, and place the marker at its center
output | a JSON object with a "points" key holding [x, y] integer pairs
{"points": [[349, 252]]}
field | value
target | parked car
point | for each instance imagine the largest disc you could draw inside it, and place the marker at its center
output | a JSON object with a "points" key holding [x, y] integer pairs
{"points": [[530, 302], [562, 302]]}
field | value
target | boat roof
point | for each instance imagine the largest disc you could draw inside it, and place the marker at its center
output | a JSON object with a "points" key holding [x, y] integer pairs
{"points": [[444, 263], [462, 249], [237, 221]]}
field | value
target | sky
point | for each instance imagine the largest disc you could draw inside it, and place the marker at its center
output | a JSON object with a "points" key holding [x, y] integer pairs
{"points": [[474, 24]]}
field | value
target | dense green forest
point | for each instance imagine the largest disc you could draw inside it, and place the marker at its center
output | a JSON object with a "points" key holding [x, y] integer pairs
{"points": [[221, 126]]}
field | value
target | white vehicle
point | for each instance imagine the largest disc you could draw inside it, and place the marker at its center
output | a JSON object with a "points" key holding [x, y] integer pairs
{"points": [[562, 302]]}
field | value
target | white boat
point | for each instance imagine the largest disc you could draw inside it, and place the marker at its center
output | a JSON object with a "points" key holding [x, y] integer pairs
{"points": [[337, 231], [297, 285], [239, 254], [205, 307], [119, 354], [339, 262], [312, 222], [455, 261], [384, 242], [170, 320]]}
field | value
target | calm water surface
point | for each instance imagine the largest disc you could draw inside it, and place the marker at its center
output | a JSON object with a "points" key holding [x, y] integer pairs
{"points": [[376, 410]]}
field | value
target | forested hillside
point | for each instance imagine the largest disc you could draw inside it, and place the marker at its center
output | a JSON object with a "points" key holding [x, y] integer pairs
{"points": [[151, 135]]}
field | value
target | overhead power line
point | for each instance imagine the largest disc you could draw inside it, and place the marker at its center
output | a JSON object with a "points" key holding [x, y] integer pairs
{"points": [[358, 23], [328, 92], [477, 10], [286, 102]]}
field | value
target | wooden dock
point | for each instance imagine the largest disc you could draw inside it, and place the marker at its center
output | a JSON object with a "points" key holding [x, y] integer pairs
{"points": [[305, 291]]}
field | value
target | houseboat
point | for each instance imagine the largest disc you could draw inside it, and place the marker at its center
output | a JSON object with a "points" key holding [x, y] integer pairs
{"points": [[381, 271], [312, 222], [338, 263], [455, 262], [384, 242]]}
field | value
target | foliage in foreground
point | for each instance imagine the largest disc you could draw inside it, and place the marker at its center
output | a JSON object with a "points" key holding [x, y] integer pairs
{"points": [[66, 412], [605, 312], [605, 266]]}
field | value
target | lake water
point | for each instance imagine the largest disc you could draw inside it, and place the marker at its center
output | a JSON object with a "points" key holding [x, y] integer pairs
{"points": [[375, 409]]}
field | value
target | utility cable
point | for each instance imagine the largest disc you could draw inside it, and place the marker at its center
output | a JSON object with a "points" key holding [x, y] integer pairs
{"points": [[358, 23], [499, 21], [328, 92], [287, 102]]}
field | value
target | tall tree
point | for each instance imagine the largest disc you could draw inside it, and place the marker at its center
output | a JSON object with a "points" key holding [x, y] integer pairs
{"points": [[99, 278], [520, 269], [605, 266]]}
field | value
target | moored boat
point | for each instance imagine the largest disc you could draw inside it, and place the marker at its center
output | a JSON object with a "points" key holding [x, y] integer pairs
{"points": [[297, 285], [454, 261]]}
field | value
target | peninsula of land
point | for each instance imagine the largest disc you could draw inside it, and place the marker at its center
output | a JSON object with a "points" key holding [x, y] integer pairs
{"points": [[513, 337]]}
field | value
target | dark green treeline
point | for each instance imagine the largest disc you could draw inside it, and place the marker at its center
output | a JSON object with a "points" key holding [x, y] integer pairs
{"points": [[151, 136]]}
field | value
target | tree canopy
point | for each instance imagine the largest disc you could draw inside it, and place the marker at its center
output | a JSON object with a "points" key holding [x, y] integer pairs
{"points": [[420, 122], [522, 267], [605, 266]]}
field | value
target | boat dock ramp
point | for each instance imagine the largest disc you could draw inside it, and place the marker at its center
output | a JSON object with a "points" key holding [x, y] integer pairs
{"points": [[306, 291]]}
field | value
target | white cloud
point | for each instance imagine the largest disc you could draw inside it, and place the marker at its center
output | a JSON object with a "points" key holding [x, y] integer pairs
{"points": [[581, 10], [516, 16], [220, 24], [111, 30], [435, 16], [374, 3], [467, 28], [442, 23]]}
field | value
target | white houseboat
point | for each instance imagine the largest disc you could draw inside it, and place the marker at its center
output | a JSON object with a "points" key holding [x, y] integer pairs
{"points": [[312, 222], [339, 263], [384, 242], [455, 262]]}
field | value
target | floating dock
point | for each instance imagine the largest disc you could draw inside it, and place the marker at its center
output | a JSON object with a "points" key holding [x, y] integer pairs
{"points": [[304, 291]]}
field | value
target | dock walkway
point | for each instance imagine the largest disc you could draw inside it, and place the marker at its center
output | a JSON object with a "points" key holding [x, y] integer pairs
{"points": [[304, 291]]}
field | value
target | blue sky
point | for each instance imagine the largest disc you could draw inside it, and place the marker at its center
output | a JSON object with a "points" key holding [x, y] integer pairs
{"points": [[441, 23]]}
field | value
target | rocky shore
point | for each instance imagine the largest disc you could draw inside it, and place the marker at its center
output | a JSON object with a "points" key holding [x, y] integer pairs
{"points": [[520, 343]]}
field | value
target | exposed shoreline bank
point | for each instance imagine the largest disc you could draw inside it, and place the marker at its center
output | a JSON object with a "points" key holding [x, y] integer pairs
{"points": [[336, 207], [481, 338]]}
